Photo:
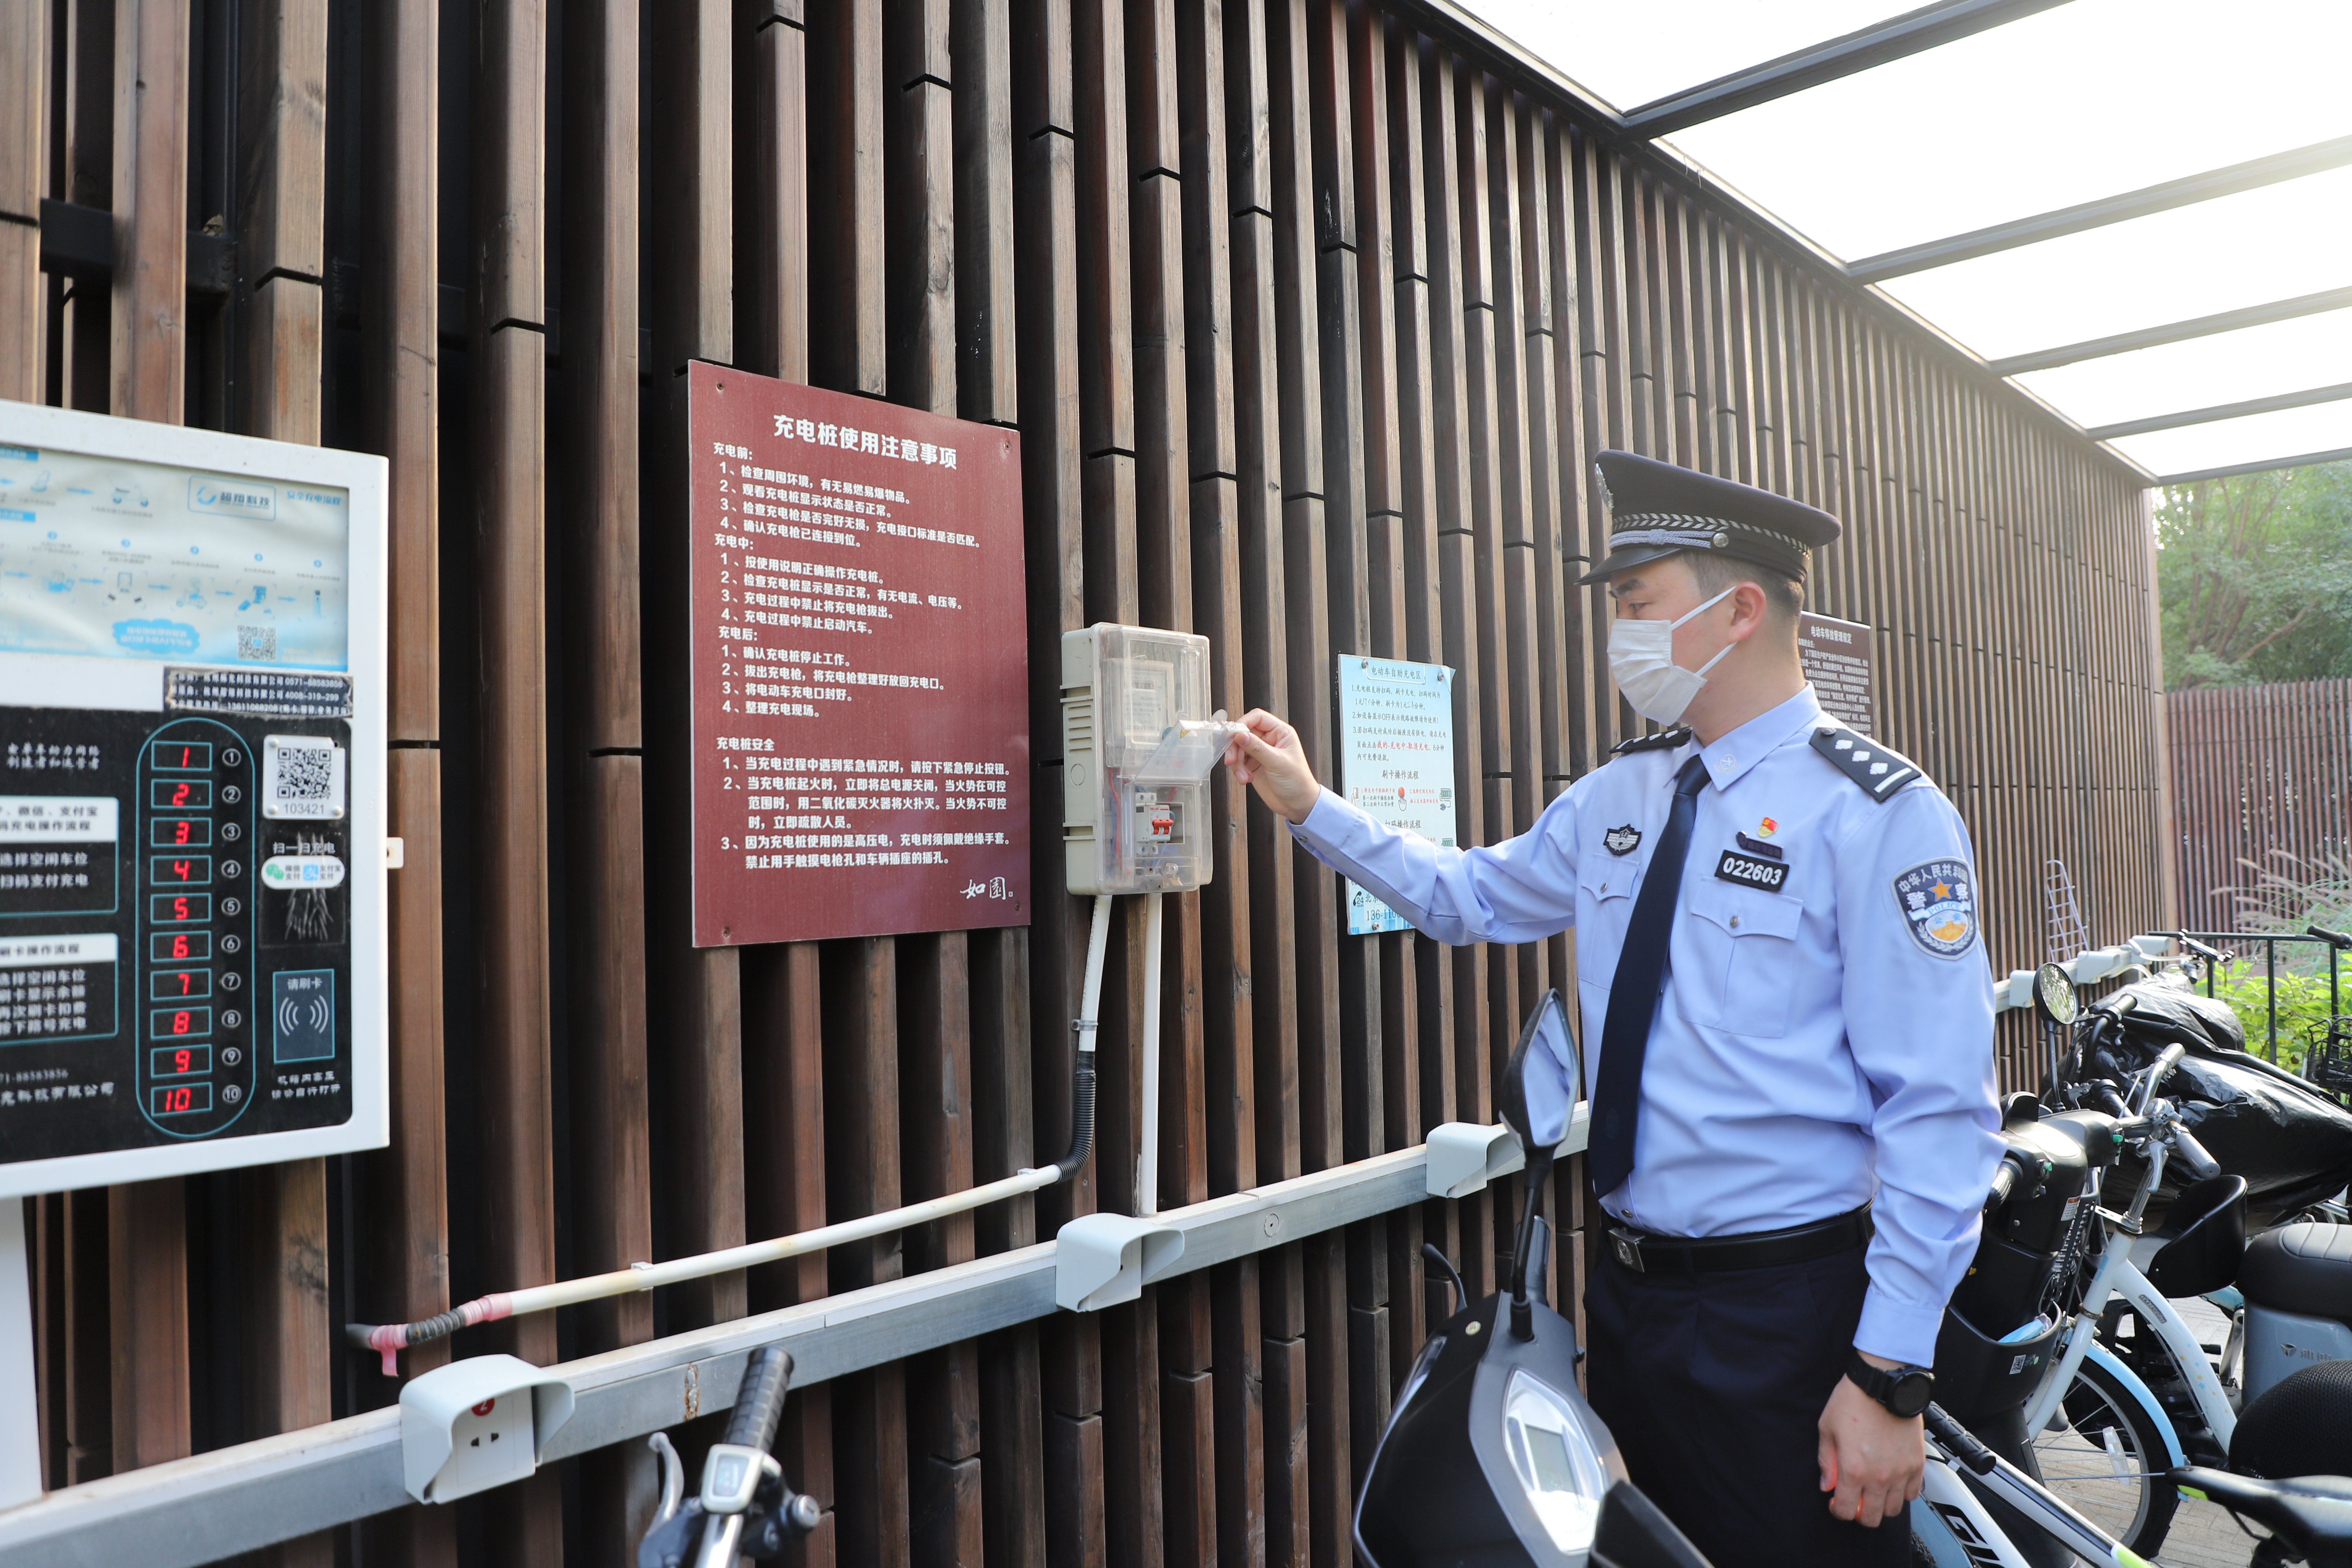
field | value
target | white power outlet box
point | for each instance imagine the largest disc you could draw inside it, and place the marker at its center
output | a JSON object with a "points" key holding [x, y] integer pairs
{"points": [[1138, 743], [478, 1424]]}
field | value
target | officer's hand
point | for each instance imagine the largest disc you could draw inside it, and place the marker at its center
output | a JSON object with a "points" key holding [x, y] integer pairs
{"points": [[1264, 753], [1872, 1459]]}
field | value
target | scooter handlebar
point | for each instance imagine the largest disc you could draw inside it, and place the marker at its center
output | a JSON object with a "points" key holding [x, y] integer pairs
{"points": [[2192, 1154], [2004, 1182], [760, 1402]]}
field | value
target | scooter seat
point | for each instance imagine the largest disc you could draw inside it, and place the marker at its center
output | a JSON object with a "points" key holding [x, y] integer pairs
{"points": [[2301, 1268]]}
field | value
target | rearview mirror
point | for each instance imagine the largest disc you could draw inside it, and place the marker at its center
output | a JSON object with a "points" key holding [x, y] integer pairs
{"points": [[1541, 1080], [2053, 995]]}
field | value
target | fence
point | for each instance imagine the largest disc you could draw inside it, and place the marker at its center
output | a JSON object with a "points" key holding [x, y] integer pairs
{"points": [[2257, 771], [1311, 315]]}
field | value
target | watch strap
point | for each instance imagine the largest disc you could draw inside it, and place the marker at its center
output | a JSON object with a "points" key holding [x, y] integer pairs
{"points": [[1880, 1384]]}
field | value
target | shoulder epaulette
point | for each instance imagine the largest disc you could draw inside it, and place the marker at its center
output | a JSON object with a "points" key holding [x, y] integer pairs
{"points": [[1664, 741], [1881, 773]]}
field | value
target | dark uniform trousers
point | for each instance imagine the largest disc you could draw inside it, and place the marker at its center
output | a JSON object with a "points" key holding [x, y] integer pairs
{"points": [[1714, 1383]]}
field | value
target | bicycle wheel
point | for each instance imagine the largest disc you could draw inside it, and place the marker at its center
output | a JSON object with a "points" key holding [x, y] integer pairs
{"points": [[2108, 1460]]}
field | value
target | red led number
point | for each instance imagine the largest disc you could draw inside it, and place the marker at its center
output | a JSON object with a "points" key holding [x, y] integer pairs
{"points": [[177, 1099], [180, 1059], [180, 909], [180, 950], [181, 836], [180, 1023], [180, 794]]}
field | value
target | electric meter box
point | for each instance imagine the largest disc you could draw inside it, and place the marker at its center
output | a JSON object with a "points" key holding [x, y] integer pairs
{"points": [[1138, 743], [191, 801]]}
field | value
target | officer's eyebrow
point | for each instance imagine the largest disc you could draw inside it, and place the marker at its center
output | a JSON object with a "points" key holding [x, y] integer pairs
{"points": [[1621, 586]]}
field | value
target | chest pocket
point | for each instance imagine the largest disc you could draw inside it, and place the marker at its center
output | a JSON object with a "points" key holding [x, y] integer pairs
{"points": [[1743, 945], [1604, 908]]}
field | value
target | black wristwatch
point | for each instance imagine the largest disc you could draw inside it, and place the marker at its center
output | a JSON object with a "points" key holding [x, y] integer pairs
{"points": [[1905, 1390]]}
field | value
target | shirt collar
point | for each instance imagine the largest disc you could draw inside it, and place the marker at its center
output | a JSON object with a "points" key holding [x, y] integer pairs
{"points": [[1732, 755]]}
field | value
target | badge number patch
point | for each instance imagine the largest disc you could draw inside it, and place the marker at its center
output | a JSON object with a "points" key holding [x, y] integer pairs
{"points": [[1623, 840], [1749, 871], [1938, 901]]}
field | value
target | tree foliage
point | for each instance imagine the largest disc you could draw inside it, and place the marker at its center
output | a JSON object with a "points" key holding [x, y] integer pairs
{"points": [[2255, 572]]}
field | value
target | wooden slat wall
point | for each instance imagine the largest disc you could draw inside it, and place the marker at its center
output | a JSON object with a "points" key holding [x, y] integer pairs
{"points": [[1311, 324], [2257, 772]]}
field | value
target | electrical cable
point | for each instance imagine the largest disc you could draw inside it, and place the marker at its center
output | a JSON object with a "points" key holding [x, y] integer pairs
{"points": [[388, 1340]]}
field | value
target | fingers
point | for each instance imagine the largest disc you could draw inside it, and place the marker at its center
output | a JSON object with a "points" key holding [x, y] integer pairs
{"points": [[1262, 726]]}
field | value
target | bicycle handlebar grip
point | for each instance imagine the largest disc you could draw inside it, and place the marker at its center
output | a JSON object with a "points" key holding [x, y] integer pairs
{"points": [[2193, 1154], [2334, 939], [760, 1402], [1957, 1440], [2164, 1063]]}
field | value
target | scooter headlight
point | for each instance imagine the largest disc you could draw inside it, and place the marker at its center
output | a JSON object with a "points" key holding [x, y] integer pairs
{"points": [[1555, 1461]]}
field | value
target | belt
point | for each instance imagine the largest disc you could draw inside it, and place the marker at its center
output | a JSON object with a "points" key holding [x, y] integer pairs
{"points": [[1644, 1252]]}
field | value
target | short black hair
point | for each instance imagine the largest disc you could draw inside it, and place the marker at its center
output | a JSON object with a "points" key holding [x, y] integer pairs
{"points": [[1713, 573]]}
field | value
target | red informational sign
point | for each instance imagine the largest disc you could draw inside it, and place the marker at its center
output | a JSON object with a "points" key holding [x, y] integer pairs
{"points": [[861, 728]]}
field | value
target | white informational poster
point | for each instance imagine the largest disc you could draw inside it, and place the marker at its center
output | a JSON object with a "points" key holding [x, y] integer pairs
{"points": [[1396, 759]]}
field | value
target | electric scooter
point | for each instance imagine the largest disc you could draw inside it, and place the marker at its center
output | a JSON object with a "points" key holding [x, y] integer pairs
{"points": [[2131, 1375], [1491, 1457]]}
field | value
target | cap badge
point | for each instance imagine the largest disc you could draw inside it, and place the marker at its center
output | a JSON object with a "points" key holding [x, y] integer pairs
{"points": [[1767, 828], [1623, 840]]}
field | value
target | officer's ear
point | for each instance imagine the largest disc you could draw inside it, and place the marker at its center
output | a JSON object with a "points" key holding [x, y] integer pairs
{"points": [[1752, 609]]}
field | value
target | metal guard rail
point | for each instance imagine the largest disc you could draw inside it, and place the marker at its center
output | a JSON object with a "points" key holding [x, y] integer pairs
{"points": [[199, 1509]]}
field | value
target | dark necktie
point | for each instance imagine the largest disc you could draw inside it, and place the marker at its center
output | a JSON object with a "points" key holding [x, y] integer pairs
{"points": [[1633, 993]]}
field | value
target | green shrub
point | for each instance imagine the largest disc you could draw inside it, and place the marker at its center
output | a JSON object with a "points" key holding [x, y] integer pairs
{"points": [[2302, 1009]]}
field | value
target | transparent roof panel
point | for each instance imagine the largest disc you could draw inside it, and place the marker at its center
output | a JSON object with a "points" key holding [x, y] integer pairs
{"points": [[2272, 243], [2080, 101], [2200, 373], [2257, 438], [2089, 99]]}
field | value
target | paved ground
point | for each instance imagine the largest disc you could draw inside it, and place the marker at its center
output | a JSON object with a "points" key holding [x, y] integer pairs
{"points": [[2203, 1535]]}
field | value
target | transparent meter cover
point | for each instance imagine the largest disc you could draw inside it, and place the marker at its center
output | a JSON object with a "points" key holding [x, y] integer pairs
{"points": [[1189, 750]]}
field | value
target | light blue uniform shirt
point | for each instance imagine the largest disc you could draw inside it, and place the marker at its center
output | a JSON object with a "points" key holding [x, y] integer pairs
{"points": [[1815, 1048]]}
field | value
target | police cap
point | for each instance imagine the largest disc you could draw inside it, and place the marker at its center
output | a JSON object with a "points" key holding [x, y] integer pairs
{"points": [[1656, 509]]}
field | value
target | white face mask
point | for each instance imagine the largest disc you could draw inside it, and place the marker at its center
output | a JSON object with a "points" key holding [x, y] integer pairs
{"points": [[1641, 661]]}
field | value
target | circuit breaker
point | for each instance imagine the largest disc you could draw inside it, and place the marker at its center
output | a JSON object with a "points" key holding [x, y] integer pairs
{"points": [[191, 801], [1139, 741]]}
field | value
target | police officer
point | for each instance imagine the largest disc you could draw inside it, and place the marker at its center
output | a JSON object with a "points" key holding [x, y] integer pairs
{"points": [[1787, 1033]]}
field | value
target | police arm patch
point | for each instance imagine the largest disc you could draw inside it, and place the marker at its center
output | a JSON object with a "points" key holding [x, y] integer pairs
{"points": [[1939, 902]]}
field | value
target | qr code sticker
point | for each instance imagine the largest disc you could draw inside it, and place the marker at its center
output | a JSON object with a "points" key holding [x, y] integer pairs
{"points": [[301, 778], [258, 643]]}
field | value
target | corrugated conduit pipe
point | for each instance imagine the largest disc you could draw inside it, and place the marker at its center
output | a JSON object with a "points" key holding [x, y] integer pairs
{"points": [[388, 1340]]}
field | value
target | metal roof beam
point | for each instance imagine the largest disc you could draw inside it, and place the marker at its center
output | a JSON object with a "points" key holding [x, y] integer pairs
{"points": [[2180, 193], [2267, 465], [2175, 332], [1892, 39], [2336, 394]]}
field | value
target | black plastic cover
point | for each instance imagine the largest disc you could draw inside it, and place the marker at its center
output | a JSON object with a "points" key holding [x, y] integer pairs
{"points": [[2204, 1236], [2292, 1143]]}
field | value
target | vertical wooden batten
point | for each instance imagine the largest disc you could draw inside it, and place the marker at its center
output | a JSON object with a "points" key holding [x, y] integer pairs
{"points": [[24, 100], [281, 202], [148, 1264]]}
